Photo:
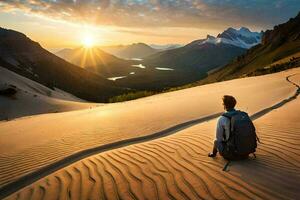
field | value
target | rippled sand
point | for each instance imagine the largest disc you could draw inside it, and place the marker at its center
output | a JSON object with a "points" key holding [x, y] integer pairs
{"points": [[172, 167]]}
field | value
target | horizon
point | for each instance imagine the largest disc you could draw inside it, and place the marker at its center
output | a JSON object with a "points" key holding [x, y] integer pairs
{"points": [[160, 23]]}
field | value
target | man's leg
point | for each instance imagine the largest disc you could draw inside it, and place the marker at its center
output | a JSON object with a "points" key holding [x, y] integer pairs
{"points": [[215, 150]]}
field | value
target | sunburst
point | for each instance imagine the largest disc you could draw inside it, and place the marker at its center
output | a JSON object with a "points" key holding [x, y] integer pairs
{"points": [[88, 41]]}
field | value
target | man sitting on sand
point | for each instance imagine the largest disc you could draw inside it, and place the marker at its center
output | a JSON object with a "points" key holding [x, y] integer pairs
{"points": [[236, 136], [223, 125]]}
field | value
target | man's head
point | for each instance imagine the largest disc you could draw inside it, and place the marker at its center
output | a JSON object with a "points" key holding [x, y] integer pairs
{"points": [[229, 102]]}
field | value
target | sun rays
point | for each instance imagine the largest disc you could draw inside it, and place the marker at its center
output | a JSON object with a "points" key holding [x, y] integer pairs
{"points": [[89, 58]]}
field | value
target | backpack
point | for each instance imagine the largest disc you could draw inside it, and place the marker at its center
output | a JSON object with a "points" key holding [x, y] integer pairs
{"points": [[242, 139]]}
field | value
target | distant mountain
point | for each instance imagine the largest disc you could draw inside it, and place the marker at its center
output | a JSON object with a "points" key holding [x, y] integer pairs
{"points": [[199, 57], [162, 47], [96, 60], [136, 50], [27, 58], [278, 44], [243, 38]]}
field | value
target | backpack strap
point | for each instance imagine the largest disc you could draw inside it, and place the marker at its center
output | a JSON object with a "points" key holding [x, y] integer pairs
{"points": [[228, 116], [226, 165], [224, 133], [257, 138]]}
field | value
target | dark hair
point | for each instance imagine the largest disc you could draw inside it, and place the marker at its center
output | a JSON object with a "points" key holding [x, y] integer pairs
{"points": [[229, 102]]}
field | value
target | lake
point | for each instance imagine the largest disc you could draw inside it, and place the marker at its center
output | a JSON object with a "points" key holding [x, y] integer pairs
{"points": [[164, 68], [116, 78]]}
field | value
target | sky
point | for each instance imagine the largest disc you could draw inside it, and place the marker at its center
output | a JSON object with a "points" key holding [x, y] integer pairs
{"points": [[58, 24]]}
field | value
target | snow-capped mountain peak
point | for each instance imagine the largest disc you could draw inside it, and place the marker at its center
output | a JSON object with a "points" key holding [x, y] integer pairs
{"points": [[242, 37]]}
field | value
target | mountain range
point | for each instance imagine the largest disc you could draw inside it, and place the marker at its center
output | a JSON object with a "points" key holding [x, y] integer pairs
{"points": [[280, 45], [191, 62], [162, 47], [135, 51], [124, 73], [25, 57], [194, 60], [188, 63], [132, 51], [96, 60], [233, 53], [243, 38]]}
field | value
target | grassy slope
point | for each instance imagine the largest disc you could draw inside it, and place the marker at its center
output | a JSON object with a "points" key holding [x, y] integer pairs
{"points": [[257, 58]]}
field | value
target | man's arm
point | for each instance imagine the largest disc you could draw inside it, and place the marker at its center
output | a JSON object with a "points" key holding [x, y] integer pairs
{"points": [[219, 138], [220, 129]]}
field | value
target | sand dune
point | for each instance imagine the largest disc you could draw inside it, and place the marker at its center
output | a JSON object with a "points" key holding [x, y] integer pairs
{"points": [[33, 98], [177, 167], [79, 130]]}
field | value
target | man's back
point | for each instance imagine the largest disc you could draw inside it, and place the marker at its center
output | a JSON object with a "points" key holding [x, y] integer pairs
{"points": [[235, 133]]}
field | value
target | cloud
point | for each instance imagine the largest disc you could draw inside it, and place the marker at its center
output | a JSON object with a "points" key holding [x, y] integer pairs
{"points": [[162, 13], [153, 33]]}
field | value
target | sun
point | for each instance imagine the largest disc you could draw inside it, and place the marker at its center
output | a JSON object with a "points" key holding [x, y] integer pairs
{"points": [[88, 41]]}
